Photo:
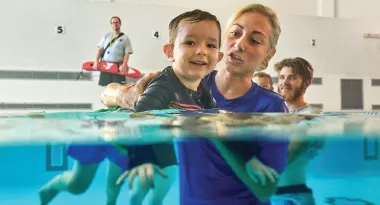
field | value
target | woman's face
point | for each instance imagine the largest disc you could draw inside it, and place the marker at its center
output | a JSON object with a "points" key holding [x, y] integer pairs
{"points": [[247, 43]]}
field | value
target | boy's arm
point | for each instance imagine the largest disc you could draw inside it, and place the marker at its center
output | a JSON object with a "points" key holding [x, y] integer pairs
{"points": [[272, 153]]}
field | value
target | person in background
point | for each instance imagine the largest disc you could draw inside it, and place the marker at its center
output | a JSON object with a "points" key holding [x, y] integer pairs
{"points": [[294, 77], [114, 47], [263, 79], [205, 175]]}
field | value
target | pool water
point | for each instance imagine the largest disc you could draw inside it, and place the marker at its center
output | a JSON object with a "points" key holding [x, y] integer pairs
{"points": [[344, 175], [25, 169], [346, 172]]}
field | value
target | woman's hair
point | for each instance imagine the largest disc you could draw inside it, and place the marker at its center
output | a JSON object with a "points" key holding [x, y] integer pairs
{"points": [[264, 10]]}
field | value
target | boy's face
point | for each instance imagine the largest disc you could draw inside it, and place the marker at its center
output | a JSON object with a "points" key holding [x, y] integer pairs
{"points": [[195, 52]]}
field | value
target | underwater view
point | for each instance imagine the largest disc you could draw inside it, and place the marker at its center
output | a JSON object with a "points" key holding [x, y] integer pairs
{"points": [[343, 165]]}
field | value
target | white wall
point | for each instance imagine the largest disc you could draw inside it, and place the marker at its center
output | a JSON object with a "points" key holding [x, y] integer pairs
{"points": [[298, 7], [367, 9], [340, 8], [30, 43]]}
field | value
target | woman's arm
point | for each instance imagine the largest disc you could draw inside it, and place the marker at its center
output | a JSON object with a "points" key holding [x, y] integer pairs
{"points": [[125, 96], [271, 153]]}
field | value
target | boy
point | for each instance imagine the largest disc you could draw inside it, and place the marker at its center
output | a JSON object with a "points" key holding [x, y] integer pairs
{"points": [[193, 49]]}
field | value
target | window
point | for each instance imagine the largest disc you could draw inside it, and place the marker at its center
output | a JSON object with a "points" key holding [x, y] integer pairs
{"points": [[351, 94]]}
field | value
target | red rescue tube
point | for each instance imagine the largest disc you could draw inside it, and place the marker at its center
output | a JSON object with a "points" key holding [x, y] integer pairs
{"points": [[112, 68]]}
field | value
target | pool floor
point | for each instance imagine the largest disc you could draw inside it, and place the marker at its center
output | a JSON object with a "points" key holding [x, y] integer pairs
{"points": [[27, 193], [23, 173], [95, 195], [346, 192]]}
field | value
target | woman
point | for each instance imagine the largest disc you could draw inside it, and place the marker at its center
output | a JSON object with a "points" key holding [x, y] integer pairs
{"points": [[209, 171]]}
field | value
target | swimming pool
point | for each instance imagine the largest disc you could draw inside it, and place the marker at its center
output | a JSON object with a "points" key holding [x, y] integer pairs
{"points": [[346, 172]]}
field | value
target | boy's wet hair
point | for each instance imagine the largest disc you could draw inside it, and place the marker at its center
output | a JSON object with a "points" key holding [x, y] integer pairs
{"points": [[193, 16]]}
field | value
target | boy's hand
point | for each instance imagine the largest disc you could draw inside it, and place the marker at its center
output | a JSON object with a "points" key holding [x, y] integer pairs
{"points": [[144, 171], [259, 172], [126, 95]]}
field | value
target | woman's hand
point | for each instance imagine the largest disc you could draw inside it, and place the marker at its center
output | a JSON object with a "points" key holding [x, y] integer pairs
{"points": [[125, 96]]}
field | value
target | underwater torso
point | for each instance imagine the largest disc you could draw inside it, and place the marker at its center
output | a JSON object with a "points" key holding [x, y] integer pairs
{"points": [[295, 173], [205, 177], [292, 186], [163, 92]]}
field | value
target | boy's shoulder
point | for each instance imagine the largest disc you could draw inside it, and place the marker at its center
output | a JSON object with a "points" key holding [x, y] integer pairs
{"points": [[165, 78], [159, 91]]}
